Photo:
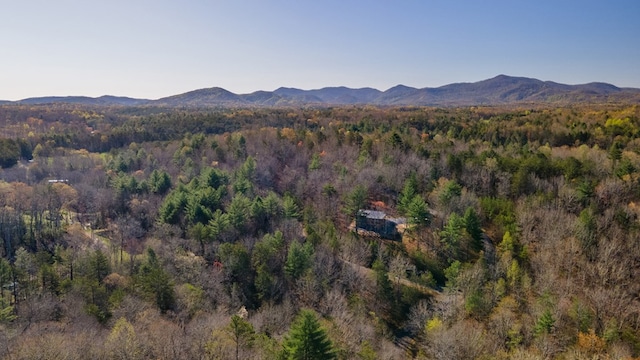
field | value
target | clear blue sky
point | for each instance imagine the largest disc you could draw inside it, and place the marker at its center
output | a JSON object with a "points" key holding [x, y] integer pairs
{"points": [[151, 49]]}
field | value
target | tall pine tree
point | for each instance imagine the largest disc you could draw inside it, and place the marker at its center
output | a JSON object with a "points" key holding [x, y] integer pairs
{"points": [[307, 340]]}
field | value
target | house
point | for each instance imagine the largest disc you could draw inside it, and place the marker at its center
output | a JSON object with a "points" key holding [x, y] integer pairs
{"points": [[378, 222]]}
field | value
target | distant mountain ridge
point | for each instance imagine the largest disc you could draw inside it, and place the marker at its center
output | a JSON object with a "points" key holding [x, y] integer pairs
{"points": [[82, 100], [500, 90]]}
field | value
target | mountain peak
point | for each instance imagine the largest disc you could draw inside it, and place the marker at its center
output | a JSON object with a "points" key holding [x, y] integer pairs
{"points": [[499, 90], [214, 96], [401, 87]]}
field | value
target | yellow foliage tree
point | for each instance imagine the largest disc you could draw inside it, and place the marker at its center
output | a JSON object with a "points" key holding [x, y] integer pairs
{"points": [[123, 342], [590, 342]]}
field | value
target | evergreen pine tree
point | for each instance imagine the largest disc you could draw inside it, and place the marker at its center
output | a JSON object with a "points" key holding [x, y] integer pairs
{"points": [[156, 282], [100, 266], [473, 227], [298, 259], [409, 191], [241, 332], [307, 340], [418, 212]]}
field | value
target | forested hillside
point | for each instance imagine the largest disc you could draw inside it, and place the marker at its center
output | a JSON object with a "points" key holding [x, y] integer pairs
{"points": [[150, 232]]}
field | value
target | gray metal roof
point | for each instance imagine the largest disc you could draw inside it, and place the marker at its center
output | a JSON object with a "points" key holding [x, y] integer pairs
{"points": [[372, 214]]}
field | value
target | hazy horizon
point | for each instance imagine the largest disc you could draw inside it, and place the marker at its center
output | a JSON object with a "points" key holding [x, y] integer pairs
{"points": [[153, 49], [270, 90]]}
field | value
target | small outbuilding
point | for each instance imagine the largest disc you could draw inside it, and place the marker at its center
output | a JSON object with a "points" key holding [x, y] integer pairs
{"points": [[379, 223]]}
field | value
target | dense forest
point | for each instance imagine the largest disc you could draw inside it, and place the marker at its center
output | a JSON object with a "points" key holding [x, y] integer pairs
{"points": [[218, 233]]}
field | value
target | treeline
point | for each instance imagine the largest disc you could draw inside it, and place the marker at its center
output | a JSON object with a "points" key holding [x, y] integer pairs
{"points": [[226, 234], [101, 129]]}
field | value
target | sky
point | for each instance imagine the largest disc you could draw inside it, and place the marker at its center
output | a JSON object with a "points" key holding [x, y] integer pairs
{"points": [[152, 49]]}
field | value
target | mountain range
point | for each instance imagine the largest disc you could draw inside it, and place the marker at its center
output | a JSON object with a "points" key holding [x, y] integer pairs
{"points": [[500, 90]]}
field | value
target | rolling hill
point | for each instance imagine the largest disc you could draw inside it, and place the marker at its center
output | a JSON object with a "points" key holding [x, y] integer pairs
{"points": [[500, 90], [83, 100]]}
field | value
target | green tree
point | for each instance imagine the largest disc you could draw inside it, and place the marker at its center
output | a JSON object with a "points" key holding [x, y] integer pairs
{"points": [[196, 211], [237, 268], [5, 275], [97, 298], [545, 323], [329, 190], [450, 190], [267, 260], [514, 274], [452, 273], [268, 250], [25, 149], [218, 224], [384, 287], [298, 259], [409, 191], [452, 234], [236, 261], [50, 279], [248, 169], [625, 167], [418, 216], [9, 153], [314, 164], [355, 200], [214, 178], [7, 312], [587, 232], [265, 283], [455, 163], [259, 213], [571, 168], [395, 140], [241, 332], [508, 244], [200, 233], [615, 154], [99, 266], [366, 352], [197, 140], [475, 303], [156, 282], [272, 206], [242, 186], [159, 182], [307, 340], [500, 211], [290, 208], [172, 209], [520, 183], [239, 211], [418, 212], [473, 227]]}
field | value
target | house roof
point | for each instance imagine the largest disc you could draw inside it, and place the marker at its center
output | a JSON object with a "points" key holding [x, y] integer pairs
{"points": [[372, 214]]}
